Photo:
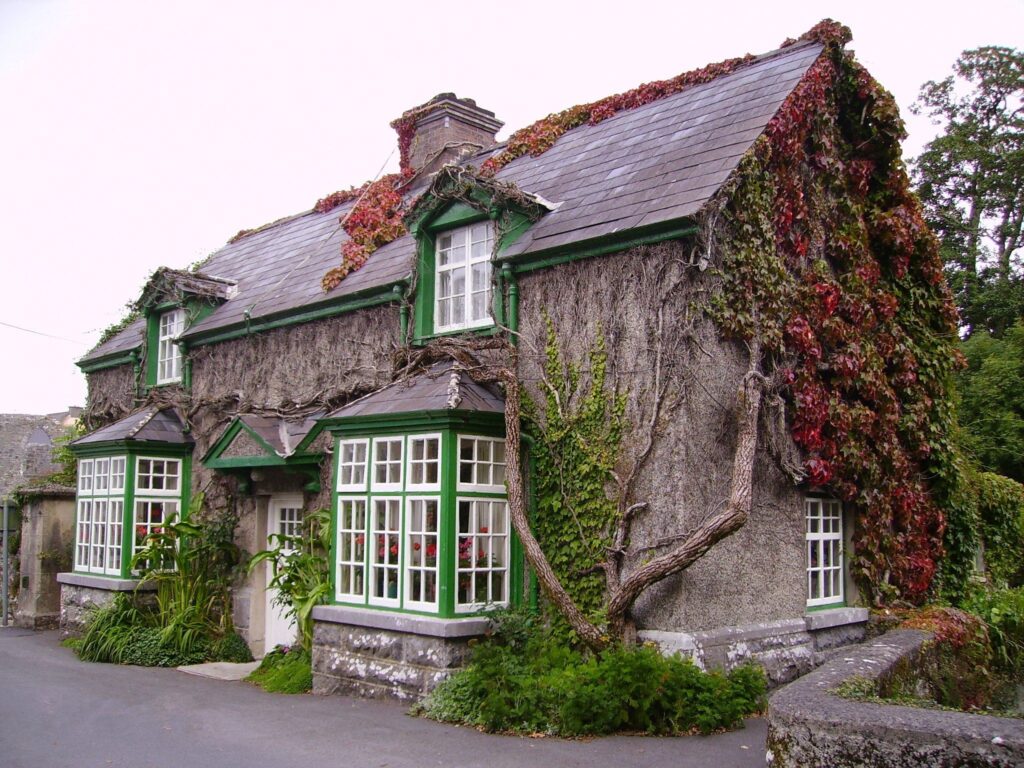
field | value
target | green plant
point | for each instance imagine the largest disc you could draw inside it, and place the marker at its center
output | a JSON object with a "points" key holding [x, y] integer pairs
{"points": [[526, 679], [1002, 610], [577, 437], [232, 647], [64, 458], [191, 564], [108, 629], [300, 571], [284, 670]]}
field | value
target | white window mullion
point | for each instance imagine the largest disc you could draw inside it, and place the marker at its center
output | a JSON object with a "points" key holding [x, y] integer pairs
{"points": [[462, 278], [385, 550], [824, 545]]}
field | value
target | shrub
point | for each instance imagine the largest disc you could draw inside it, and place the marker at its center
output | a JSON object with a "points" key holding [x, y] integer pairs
{"points": [[958, 672], [284, 670], [525, 679], [233, 648], [1002, 610]]}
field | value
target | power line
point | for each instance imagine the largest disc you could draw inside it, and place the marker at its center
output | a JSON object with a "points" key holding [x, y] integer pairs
{"points": [[40, 333]]}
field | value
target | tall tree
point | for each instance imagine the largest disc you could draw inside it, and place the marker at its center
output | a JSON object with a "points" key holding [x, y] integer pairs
{"points": [[971, 181], [992, 400]]}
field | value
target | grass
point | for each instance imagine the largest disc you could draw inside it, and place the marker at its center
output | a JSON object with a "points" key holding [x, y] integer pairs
{"points": [[284, 670]]}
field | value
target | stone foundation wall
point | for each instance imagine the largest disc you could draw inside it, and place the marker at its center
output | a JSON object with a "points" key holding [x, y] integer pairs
{"points": [[80, 594], [378, 655], [786, 649], [808, 726]]}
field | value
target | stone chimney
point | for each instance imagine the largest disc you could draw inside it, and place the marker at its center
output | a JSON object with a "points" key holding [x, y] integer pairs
{"points": [[443, 129]]}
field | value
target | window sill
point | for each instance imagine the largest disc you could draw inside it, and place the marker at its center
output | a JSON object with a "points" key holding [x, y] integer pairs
{"points": [[431, 626], [108, 583], [826, 618]]}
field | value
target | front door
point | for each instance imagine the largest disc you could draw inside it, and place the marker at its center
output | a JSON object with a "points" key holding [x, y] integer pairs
{"points": [[284, 518]]}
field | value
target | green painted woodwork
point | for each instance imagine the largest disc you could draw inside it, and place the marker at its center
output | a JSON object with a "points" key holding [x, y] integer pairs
{"points": [[113, 360], [298, 460], [620, 241], [825, 607]]}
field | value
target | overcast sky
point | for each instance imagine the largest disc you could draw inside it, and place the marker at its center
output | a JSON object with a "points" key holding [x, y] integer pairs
{"points": [[140, 134]]}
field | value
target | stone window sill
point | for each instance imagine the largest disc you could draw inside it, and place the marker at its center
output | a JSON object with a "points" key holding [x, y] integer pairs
{"points": [[401, 622], [834, 617], [107, 583]]}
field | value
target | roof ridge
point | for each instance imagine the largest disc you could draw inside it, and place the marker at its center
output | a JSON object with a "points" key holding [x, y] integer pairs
{"points": [[139, 427]]}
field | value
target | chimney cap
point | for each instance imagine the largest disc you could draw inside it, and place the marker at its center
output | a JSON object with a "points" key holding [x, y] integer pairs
{"points": [[447, 103]]}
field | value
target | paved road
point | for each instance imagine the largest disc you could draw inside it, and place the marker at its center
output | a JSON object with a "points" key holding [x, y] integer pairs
{"points": [[56, 711]]}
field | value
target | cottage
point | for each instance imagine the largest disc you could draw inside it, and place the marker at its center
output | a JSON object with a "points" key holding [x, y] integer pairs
{"points": [[728, 264]]}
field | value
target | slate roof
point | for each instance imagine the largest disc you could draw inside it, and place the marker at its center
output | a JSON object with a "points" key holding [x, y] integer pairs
{"points": [[439, 389], [156, 425], [649, 165]]}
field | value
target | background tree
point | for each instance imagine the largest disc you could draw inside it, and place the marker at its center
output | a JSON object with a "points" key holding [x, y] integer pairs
{"points": [[971, 181], [992, 400]]}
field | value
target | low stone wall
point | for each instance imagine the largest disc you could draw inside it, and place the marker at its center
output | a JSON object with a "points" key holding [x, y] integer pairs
{"points": [[380, 655], [785, 649], [809, 726], [80, 593]]}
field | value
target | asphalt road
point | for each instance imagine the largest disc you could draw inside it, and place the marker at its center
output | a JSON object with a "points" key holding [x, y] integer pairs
{"points": [[57, 711]]}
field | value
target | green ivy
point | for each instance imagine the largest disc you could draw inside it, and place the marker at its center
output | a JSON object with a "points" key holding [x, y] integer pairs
{"points": [[575, 446], [1001, 521]]}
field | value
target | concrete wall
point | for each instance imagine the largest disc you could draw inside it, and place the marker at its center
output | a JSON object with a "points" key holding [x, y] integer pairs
{"points": [[47, 534]]}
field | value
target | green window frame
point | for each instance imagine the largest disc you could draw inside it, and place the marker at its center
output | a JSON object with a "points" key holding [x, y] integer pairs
{"points": [[123, 495], [421, 523], [441, 256]]}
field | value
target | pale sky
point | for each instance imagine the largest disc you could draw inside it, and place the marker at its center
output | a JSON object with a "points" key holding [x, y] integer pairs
{"points": [[136, 134]]}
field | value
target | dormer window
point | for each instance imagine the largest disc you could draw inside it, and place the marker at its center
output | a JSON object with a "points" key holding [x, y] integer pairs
{"points": [[462, 287], [168, 352]]}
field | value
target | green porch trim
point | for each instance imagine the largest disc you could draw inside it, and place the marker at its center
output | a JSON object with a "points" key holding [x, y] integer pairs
{"points": [[225, 440]]}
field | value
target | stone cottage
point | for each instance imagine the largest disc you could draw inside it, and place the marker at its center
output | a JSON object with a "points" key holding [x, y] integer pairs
{"points": [[720, 227]]}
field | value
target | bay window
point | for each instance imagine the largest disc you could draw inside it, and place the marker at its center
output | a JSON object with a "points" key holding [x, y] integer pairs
{"points": [[121, 500], [422, 522]]}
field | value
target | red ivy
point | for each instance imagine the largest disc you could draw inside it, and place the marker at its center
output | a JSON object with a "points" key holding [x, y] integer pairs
{"points": [[375, 220], [863, 408]]}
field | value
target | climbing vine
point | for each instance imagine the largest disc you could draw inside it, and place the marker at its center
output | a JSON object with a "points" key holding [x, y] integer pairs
{"points": [[851, 302], [577, 435], [375, 220]]}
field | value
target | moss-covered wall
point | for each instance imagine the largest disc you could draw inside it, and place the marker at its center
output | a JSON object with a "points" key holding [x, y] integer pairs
{"points": [[757, 574]]}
